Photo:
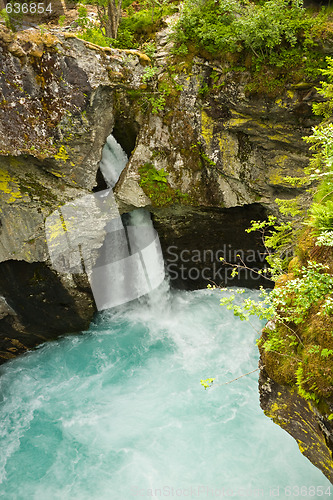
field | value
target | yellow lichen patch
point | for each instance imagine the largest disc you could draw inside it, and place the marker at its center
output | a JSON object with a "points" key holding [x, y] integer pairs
{"points": [[273, 409], [57, 174], [278, 179], [302, 449], [238, 119], [9, 187], [277, 409], [280, 138], [229, 148], [282, 160], [207, 128], [61, 155], [280, 103], [237, 122], [55, 227]]}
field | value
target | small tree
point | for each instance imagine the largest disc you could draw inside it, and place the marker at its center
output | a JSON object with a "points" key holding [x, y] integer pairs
{"points": [[109, 15]]}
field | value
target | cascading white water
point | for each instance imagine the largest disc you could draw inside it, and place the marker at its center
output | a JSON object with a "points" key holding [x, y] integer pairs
{"points": [[113, 162], [130, 262], [120, 254]]}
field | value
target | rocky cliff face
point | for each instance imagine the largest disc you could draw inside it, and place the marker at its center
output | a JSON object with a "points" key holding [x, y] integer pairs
{"points": [[301, 419], [57, 106], [218, 154], [207, 156]]}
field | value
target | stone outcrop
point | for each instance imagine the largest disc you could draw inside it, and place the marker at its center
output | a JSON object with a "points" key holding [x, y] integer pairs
{"points": [[225, 152], [300, 418], [295, 387]]}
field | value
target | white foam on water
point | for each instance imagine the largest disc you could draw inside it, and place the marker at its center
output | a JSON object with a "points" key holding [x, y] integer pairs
{"points": [[119, 412]]}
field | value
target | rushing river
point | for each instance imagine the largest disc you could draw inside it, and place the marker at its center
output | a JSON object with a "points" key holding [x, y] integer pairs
{"points": [[118, 413]]}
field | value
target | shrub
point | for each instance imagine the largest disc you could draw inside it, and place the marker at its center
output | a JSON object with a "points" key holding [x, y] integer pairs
{"points": [[267, 28]]}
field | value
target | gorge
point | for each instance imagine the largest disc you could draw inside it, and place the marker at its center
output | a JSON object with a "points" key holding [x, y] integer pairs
{"points": [[204, 166]]}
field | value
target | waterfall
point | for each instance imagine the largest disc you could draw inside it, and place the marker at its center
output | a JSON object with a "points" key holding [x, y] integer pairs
{"points": [[131, 255], [113, 162], [120, 254]]}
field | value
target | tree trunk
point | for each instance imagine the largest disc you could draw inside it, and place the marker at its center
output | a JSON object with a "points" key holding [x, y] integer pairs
{"points": [[114, 16]]}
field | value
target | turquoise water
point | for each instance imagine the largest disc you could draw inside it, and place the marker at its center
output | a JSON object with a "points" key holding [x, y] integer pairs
{"points": [[119, 412]]}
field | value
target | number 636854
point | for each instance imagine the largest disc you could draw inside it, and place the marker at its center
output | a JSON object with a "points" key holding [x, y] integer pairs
{"points": [[28, 8]]}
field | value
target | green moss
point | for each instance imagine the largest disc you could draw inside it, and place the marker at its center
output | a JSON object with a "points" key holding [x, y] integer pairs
{"points": [[155, 185]]}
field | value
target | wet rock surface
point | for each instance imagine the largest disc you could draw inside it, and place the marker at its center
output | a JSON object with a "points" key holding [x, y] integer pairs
{"points": [[312, 431]]}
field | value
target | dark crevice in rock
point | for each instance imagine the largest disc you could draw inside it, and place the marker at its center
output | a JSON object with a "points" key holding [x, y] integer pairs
{"points": [[193, 240], [40, 305], [125, 132], [100, 182]]}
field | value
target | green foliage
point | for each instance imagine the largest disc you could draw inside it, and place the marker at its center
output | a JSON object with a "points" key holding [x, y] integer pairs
{"points": [[125, 40], [6, 18], [167, 86], [325, 108], [136, 26], [311, 287], [321, 216], [152, 175], [300, 380], [180, 50], [93, 35], [62, 20], [325, 353], [300, 308], [155, 185], [149, 48], [12, 21], [289, 207], [263, 308], [278, 239], [149, 73], [321, 165], [132, 28], [231, 25], [157, 103], [286, 307], [280, 35], [89, 30], [325, 239]]}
